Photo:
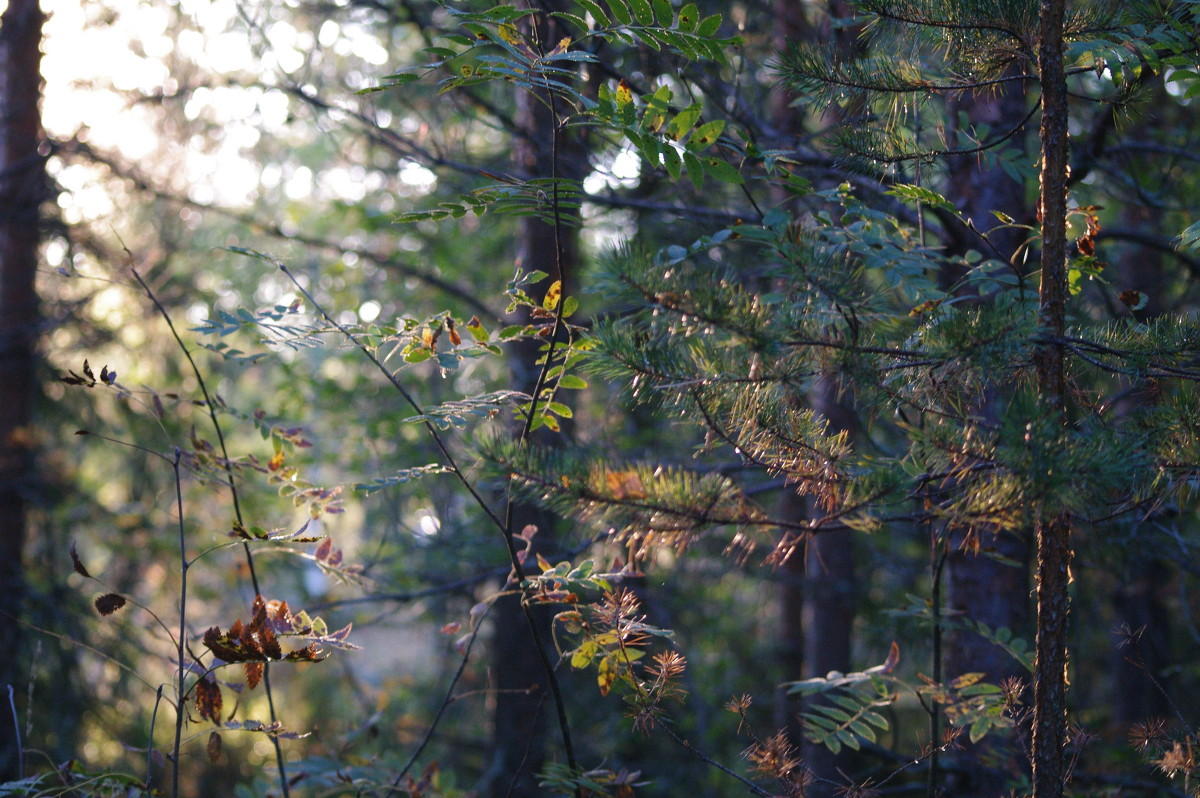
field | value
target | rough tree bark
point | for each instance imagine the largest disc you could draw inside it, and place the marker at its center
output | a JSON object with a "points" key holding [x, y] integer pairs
{"points": [[1053, 532], [22, 186]]}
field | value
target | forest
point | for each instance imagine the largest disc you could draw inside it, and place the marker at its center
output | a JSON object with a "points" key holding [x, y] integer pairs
{"points": [[447, 398]]}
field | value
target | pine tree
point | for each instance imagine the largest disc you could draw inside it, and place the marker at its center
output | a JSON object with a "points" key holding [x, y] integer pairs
{"points": [[972, 386]]}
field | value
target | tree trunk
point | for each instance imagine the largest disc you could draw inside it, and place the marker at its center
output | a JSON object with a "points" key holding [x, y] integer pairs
{"points": [[791, 24], [22, 187], [1053, 528], [977, 586], [831, 592], [518, 668]]}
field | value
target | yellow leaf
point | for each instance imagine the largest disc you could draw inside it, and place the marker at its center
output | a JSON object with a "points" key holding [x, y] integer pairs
{"points": [[510, 34], [543, 563], [624, 94], [966, 680], [606, 674], [553, 295], [583, 655]]}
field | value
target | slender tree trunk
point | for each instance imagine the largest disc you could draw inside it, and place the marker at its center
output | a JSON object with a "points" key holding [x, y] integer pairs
{"points": [[791, 24], [830, 597], [831, 587], [1053, 528], [22, 187], [523, 696], [1141, 599], [978, 586]]}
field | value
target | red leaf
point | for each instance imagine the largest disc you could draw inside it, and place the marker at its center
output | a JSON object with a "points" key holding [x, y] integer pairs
{"points": [[254, 673]]}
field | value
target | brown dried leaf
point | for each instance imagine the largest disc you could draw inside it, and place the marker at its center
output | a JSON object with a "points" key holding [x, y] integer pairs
{"points": [[208, 699], [270, 644], [323, 550], [307, 654], [259, 610], [109, 603], [254, 673], [214, 747], [78, 564]]}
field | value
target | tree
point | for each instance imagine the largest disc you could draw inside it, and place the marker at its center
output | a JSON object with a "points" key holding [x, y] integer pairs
{"points": [[22, 190]]}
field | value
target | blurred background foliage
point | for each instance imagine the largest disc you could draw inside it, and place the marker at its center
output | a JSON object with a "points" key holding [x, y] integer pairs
{"points": [[181, 133]]}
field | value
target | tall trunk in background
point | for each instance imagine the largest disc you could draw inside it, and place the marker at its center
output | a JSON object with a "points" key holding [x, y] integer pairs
{"points": [[978, 585], [831, 589], [1142, 592], [22, 186], [791, 24], [1053, 527], [523, 700], [1142, 595]]}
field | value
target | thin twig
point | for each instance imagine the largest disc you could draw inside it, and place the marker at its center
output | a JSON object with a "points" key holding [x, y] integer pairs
{"points": [[150, 743], [12, 704], [237, 509], [754, 788], [180, 694], [446, 701]]}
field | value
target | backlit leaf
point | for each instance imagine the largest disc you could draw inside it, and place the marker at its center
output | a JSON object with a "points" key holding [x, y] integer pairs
{"points": [[109, 603]]}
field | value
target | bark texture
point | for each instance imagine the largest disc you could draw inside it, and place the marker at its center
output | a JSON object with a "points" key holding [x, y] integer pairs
{"points": [[1053, 529], [22, 187]]}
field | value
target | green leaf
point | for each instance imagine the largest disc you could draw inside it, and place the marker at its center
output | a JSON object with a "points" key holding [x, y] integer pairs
{"points": [[672, 161], [620, 11], [678, 127], [689, 18], [706, 135], [875, 719], [663, 12], [571, 382], [594, 10], [559, 409], [862, 730], [980, 728], [709, 25], [583, 26], [695, 170], [723, 171], [837, 714], [643, 11], [1189, 238], [925, 196]]}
